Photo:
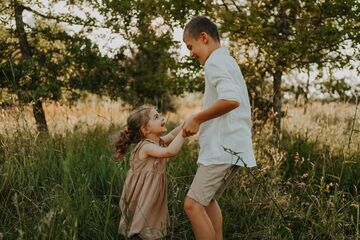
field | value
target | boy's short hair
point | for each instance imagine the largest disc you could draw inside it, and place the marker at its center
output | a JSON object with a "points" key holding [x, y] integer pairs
{"points": [[202, 24]]}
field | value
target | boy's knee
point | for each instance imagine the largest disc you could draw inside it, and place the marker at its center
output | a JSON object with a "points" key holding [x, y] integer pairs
{"points": [[190, 205]]}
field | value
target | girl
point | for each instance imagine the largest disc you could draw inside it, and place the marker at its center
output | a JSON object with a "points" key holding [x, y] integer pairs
{"points": [[143, 202]]}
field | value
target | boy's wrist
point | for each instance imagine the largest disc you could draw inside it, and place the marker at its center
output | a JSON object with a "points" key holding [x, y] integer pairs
{"points": [[198, 119]]}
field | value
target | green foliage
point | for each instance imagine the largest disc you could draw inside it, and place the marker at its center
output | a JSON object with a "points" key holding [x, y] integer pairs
{"points": [[68, 186], [273, 38], [338, 88], [293, 34], [284, 35], [61, 65], [65, 63], [152, 70], [147, 70], [268, 35], [321, 182]]}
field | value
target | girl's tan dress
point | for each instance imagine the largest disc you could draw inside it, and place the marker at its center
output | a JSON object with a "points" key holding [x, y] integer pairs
{"points": [[143, 202]]}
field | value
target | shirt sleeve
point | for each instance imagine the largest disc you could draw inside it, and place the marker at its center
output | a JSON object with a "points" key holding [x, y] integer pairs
{"points": [[224, 83]]}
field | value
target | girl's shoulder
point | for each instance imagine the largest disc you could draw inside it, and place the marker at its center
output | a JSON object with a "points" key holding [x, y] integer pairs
{"points": [[142, 143], [150, 146]]}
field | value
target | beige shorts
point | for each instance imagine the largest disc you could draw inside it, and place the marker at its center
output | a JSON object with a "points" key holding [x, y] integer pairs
{"points": [[210, 181]]}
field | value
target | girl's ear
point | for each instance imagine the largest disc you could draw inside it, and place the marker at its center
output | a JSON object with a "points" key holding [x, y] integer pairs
{"points": [[144, 130]]}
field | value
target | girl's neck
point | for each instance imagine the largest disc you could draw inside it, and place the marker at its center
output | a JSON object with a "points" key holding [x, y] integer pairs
{"points": [[152, 137]]}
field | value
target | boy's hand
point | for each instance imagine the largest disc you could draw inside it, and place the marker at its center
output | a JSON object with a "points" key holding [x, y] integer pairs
{"points": [[190, 127], [220, 107]]}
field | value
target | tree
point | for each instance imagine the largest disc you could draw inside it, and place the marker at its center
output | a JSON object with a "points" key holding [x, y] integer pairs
{"points": [[41, 61], [278, 36], [152, 68]]}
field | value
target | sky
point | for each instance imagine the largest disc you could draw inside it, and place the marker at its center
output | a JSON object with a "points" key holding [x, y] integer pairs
{"points": [[103, 37]]}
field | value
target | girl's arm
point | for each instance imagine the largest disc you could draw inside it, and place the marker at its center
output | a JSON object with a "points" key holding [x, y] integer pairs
{"points": [[153, 150], [172, 134]]}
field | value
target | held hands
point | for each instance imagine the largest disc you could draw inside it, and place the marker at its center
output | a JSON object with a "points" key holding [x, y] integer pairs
{"points": [[217, 109], [190, 126]]}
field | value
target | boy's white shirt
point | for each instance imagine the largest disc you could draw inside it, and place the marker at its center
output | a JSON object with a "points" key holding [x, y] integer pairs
{"points": [[224, 80]]}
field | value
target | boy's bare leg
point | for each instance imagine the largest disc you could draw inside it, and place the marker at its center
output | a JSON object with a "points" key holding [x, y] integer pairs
{"points": [[200, 221], [214, 212]]}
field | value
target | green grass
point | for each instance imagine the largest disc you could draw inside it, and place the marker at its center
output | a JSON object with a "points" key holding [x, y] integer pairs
{"points": [[68, 187]]}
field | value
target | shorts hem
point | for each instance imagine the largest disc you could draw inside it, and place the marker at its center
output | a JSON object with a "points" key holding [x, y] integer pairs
{"points": [[197, 200]]}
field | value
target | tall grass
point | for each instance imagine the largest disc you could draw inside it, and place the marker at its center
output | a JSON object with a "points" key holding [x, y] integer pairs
{"points": [[58, 187], [67, 186]]}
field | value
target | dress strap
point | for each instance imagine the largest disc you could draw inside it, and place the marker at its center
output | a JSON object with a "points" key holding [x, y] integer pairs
{"points": [[135, 153], [160, 143], [141, 144], [150, 141]]}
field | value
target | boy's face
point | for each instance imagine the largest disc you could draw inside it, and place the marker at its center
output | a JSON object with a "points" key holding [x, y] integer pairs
{"points": [[199, 47]]}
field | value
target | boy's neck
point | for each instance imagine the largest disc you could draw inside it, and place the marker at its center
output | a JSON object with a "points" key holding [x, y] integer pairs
{"points": [[215, 46], [212, 47]]}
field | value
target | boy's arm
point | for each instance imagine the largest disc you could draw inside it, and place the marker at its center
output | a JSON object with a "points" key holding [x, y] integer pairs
{"points": [[154, 150], [220, 107], [172, 134]]}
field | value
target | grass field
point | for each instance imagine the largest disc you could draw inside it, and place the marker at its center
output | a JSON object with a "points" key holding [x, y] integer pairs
{"points": [[66, 185]]}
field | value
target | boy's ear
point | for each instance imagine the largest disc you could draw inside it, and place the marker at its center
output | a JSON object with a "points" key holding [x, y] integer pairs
{"points": [[204, 37]]}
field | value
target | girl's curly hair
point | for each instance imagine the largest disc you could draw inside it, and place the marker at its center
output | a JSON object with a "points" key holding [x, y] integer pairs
{"points": [[138, 118]]}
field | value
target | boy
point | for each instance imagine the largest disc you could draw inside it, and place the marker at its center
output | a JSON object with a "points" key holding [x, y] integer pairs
{"points": [[225, 120]]}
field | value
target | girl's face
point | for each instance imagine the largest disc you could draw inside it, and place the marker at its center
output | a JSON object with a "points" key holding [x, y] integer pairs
{"points": [[156, 124]]}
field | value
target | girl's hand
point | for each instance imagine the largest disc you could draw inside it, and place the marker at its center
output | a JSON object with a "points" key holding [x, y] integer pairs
{"points": [[172, 134], [154, 150], [191, 126]]}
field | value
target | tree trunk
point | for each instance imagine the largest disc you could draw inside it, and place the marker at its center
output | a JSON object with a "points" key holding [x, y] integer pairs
{"points": [[277, 75], [38, 110], [307, 91], [277, 105], [39, 115]]}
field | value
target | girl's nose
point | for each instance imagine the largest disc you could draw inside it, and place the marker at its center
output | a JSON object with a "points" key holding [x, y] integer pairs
{"points": [[164, 118]]}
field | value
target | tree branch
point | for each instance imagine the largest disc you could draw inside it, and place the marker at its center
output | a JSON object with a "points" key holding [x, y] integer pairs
{"points": [[73, 20], [237, 7], [225, 5], [239, 158], [5, 8]]}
